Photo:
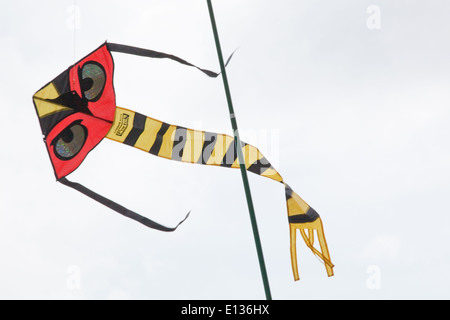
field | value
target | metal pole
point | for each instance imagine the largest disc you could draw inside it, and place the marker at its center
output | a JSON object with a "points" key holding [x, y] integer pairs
{"points": [[238, 148]]}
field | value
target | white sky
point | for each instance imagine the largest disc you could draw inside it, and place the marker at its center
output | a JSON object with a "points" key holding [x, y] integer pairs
{"points": [[356, 120]]}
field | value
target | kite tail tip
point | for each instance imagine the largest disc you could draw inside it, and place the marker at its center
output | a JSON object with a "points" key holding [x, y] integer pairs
{"points": [[307, 233], [185, 218]]}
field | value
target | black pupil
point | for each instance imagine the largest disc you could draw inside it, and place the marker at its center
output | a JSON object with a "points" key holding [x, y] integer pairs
{"points": [[67, 135]]}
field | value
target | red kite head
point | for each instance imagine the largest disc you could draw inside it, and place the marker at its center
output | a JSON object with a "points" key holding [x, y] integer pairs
{"points": [[76, 110]]}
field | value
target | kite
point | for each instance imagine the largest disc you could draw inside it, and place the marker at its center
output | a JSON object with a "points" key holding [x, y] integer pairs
{"points": [[77, 110]]}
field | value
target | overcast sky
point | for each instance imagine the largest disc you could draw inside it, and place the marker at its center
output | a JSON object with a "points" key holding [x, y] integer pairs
{"points": [[349, 100]]}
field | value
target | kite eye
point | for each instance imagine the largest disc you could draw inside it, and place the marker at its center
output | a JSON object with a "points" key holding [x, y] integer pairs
{"points": [[92, 80], [70, 141]]}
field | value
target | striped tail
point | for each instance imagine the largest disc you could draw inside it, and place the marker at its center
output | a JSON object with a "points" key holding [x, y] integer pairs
{"points": [[194, 146]]}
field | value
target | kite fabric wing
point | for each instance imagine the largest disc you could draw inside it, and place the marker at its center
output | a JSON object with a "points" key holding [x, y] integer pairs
{"points": [[77, 110]]}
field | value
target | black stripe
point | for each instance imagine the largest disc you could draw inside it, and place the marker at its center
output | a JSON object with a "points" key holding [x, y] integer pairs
{"points": [[208, 147], [178, 143], [48, 122], [260, 166], [136, 131], [230, 156], [312, 213], [310, 216], [300, 218], [159, 139], [61, 82], [288, 191]]}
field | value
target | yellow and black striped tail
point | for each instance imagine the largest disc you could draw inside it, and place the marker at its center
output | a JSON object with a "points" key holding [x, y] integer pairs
{"points": [[194, 146]]}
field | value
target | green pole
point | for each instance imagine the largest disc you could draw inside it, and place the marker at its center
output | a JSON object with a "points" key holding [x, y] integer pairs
{"points": [[238, 148]]}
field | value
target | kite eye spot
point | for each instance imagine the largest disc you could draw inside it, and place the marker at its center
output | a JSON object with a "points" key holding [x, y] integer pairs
{"points": [[92, 80], [70, 141]]}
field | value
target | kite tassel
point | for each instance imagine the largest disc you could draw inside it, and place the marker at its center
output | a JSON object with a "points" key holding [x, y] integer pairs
{"points": [[309, 240]]}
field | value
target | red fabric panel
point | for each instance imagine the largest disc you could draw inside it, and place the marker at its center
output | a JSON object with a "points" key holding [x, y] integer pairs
{"points": [[96, 130], [105, 107]]}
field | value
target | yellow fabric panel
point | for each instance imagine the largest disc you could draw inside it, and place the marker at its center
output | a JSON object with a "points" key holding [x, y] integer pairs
{"points": [[220, 148], [294, 208], [148, 136], [296, 205], [48, 92], [272, 174], [122, 125], [167, 143], [194, 145], [236, 164], [45, 108], [251, 155], [301, 203]]}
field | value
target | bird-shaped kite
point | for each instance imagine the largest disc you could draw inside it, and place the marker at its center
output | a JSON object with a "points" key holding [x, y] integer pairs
{"points": [[78, 109]]}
